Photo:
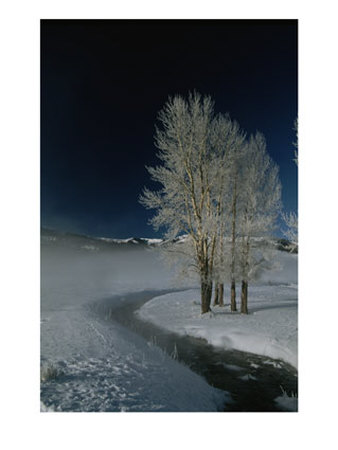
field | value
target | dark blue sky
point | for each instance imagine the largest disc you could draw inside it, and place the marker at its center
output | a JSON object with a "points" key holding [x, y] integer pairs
{"points": [[103, 83]]}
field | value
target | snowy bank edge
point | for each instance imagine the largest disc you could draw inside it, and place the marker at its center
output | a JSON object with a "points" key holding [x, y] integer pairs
{"points": [[271, 349]]}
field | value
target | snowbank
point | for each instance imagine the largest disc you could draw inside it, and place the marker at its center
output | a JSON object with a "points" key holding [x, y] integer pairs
{"points": [[270, 329]]}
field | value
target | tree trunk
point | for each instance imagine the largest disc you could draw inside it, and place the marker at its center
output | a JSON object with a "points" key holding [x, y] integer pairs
{"points": [[233, 247], [206, 293], [244, 298], [216, 297], [233, 296], [221, 294]]}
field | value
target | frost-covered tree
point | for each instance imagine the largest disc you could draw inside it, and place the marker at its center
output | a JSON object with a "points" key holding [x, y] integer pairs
{"points": [[229, 186], [186, 202], [260, 201], [291, 219], [235, 162], [213, 184]]}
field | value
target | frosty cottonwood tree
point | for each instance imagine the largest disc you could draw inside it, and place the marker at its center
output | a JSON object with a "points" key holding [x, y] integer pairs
{"points": [[291, 219], [260, 202], [235, 159], [230, 154], [212, 182], [186, 202]]}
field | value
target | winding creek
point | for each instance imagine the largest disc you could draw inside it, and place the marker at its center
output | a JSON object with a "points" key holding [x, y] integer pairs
{"points": [[253, 381]]}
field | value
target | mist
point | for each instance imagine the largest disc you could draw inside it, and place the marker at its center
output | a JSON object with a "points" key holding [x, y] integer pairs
{"points": [[72, 275]]}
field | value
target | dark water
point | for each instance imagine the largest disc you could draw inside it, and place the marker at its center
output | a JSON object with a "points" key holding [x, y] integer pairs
{"points": [[263, 378]]}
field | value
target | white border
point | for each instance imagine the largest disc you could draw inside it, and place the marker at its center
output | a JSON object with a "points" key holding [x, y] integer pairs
{"points": [[23, 426]]}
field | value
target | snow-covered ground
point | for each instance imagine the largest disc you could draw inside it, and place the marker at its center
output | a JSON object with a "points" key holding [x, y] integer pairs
{"points": [[102, 367], [270, 329], [90, 363]]}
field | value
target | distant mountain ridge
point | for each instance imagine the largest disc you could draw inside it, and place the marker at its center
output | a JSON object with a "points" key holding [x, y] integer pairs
{"points": [[55, 238]]}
